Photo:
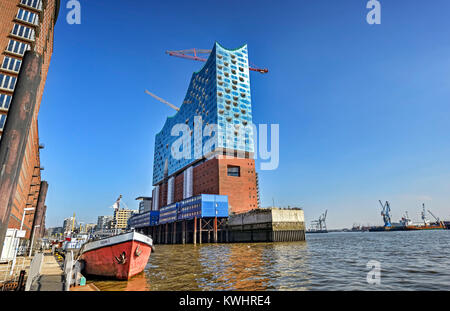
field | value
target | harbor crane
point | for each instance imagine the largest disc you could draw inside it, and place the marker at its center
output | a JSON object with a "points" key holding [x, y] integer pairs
{"points": [[192, 54], [386, 213], [437, 218], [320, 224]]}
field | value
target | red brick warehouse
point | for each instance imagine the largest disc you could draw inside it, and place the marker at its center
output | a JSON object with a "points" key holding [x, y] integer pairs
{"points": [[25, 25]]}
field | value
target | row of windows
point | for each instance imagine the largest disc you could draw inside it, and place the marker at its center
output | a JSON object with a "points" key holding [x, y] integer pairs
{"points": [[5, 101], [12, 64], [17, 47], [37, 4], [7, 82], [23, 31], [28, 16]]}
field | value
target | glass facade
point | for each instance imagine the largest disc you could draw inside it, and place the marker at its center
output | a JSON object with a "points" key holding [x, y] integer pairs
{"points": [[219, 94]]}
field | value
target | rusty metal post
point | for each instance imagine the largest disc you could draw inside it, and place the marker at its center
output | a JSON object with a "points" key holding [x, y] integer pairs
{"points": [[200, 230], [16, 132], [39, 213]]}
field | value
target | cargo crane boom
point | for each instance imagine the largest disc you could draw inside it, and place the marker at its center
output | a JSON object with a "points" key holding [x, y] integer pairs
{"points": [[437, 218], [192, 55]]}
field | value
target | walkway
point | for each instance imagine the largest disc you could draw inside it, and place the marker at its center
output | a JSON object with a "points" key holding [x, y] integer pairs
{"points": [[51, 277]]}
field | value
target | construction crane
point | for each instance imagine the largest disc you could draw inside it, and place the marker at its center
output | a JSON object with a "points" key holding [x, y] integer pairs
{"points": [[386, 213], [322, 222], [437, 218], [192, 55], [320, 225], [162, 100]]}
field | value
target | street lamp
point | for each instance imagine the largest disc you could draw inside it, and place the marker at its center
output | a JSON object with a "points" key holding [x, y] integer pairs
{"points": [[32, 240], [25, 210]]}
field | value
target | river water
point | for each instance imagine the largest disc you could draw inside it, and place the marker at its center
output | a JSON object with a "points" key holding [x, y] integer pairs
{"points": [[331, 261]]}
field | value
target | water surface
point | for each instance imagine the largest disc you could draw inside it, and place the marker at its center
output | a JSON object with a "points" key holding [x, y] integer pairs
{"points": [[332, 261]]}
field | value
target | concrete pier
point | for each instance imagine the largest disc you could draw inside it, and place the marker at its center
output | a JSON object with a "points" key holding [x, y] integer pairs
{"points": [[267, 225]]}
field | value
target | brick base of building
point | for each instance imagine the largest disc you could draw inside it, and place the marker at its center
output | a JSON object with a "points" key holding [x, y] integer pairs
{"points": [[218, 176]]}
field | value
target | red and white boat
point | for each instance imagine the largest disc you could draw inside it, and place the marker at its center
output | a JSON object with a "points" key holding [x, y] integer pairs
{"points": [[120, 256]]}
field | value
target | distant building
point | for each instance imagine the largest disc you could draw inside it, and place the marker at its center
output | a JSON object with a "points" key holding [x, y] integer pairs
{"points": [[89, 228], [145, 204], [68, 223], [55, 232], [104, 222], [121, 217]]}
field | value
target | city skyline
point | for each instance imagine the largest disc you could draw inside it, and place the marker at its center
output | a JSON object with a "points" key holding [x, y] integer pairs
{"points": [[361, 108]]}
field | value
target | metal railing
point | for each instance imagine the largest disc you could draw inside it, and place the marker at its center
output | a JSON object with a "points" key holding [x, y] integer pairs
{"points": [[35, 270]]}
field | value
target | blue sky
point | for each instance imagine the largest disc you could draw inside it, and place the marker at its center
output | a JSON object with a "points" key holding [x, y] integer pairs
{"points": [[363, 109]]}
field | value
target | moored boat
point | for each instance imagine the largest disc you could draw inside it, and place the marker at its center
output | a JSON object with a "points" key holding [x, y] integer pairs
{"points": [[120, 256]]}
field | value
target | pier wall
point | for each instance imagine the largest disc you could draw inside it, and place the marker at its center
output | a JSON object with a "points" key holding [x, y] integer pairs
{"points": [[267, 225]]}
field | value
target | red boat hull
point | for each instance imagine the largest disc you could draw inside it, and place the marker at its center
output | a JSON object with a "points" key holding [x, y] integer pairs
{"points": [[118, 259]]}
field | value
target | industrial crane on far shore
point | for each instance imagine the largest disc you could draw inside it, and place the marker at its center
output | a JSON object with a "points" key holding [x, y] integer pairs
{"points": [[319, 225], [386, 213]]}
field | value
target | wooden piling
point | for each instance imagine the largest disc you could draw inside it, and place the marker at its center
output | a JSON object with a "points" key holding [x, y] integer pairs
{"points": [[166, 238], [194, 237], [183, 233], [200, 230], [174, 232]]}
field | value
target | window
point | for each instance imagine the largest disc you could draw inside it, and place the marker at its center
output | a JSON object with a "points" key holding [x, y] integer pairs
{"points": [[12, 64], [7, 82], [234, 171], [37, 4], [28, 16], [2, 121], [5, 101], [17, 47], [23, 31]]}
